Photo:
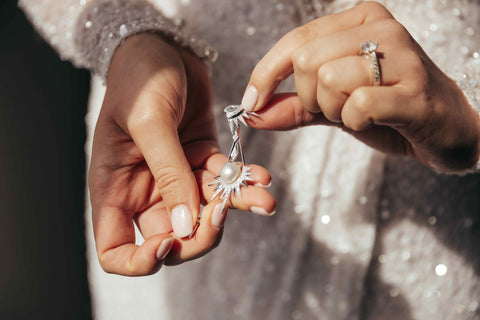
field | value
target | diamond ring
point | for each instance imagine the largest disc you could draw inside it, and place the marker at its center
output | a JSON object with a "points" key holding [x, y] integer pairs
{"points": [[368, 49]]}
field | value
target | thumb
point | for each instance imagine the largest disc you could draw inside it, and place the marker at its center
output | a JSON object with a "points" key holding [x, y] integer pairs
{"points": [[285, 111], [157, 138]]}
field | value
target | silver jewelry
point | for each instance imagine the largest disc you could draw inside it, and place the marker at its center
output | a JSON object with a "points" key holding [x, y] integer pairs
{"points": [[368, 49], [233, 174]]}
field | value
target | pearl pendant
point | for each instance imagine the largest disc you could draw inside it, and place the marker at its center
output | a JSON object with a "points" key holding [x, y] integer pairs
{"points": [[230, 172]]}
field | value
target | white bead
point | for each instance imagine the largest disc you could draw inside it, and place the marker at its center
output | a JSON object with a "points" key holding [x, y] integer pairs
{"points": [[123, 30], [230, 172]]}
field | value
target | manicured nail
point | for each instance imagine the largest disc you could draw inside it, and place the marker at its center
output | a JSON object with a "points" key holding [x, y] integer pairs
{"points": [[218, 216], [182, 222], [164, 248], [250, 98], [261, 211], [264, 186]]}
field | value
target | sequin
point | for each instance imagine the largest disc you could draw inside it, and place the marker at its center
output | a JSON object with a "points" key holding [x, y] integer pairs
{"points": [[251, 31], [325, 219], [441, 270], [123, 30], [382, 258]]}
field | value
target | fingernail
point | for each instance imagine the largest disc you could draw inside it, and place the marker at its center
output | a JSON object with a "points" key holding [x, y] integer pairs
{"points": [[264, 186], [164, 248], [218, 216], [250, 98], [261, 211], [182, 222]]}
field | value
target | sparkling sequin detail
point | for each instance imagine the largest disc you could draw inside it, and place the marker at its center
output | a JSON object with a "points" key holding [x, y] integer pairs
{"points": [[88, 32]]}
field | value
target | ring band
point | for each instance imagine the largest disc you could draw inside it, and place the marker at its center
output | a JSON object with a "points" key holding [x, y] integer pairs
{"points": [[368, 49]]}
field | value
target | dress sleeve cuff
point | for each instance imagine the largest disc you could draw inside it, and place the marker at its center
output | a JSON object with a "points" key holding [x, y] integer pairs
{"points": [[467, 77], [107, 23]]}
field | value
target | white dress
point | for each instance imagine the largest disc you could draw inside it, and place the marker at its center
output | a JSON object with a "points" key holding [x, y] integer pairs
{"points": [[357, 235]]}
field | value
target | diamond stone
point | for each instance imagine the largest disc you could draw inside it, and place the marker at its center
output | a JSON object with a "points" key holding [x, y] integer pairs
{"points": [[369, 46]]}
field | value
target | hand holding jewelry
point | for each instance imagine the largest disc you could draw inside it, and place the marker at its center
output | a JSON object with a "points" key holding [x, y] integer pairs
{"points": [[155, 141], [360, 70]]}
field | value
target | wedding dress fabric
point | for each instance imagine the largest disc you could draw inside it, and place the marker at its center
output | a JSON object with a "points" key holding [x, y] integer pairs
{"points": [[357, 235]]}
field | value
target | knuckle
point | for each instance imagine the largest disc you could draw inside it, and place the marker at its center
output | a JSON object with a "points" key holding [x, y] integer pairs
{"points": [[372, 7], [416, 68], [130, 268], [425, 107], [332, 113], [301, 59], [165, 109], [327, 76], [361, 100], [105, 263], [392, 29], [140, 119], [300, 34], [167, 179], [357, 125]]}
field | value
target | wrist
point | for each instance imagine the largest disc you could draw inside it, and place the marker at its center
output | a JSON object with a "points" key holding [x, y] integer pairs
{"points": [[140, 57]]}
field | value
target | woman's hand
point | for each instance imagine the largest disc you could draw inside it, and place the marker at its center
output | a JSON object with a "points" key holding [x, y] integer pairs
{"points": [[416, 111], [155, 152]]}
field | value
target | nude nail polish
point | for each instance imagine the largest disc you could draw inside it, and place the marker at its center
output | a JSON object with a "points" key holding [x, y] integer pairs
{"points": [[250, 98], [263, 185], [182, 221], [218, 216], [261, 211], [164, 248]]}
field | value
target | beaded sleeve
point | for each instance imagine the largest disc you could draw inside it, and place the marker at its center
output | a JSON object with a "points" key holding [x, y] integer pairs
{"points": [[469, 82], [87, 32]]}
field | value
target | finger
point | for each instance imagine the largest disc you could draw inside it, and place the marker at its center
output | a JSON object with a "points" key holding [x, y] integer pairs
{"points": [[157, 138], [154, 220], [205, 239], [391, 106], [252, 198], [336, 81], [117, 253], [285, 111], [276, 65], [305, 84], [261, 177], [198, 152]]}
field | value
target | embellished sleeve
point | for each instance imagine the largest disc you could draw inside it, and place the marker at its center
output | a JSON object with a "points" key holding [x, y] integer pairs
{"points": [[87, 32], [468, 80]]}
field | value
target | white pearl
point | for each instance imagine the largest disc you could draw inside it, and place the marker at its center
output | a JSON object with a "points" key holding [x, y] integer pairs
{"points": [[230, 172]]}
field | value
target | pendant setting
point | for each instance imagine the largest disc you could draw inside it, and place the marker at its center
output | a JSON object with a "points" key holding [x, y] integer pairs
{"points": [[234, 174]]}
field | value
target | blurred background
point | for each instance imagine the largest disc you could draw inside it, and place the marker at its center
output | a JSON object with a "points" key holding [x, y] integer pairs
{"points": [[42, 178]]}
